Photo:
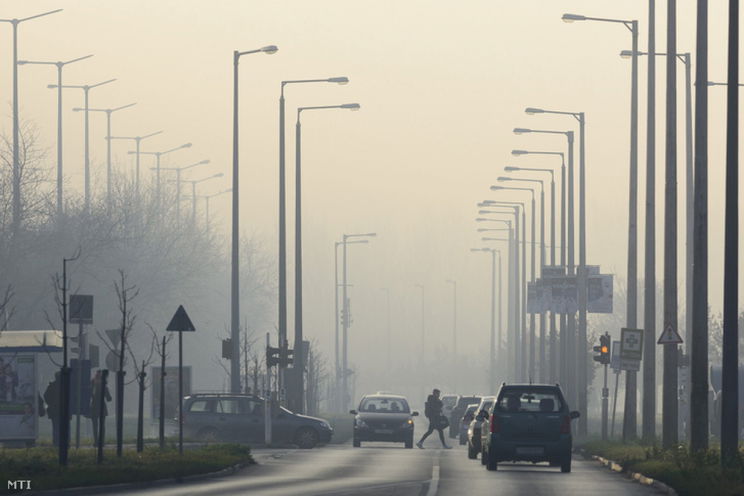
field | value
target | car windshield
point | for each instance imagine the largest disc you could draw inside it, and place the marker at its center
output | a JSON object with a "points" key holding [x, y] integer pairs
{"points": [[449, 401], [529, 400], [384, 405]]}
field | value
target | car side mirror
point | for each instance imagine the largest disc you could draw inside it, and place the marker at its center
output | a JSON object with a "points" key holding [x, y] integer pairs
{"points": [[414, 414], [353, 412], [574, 415]]}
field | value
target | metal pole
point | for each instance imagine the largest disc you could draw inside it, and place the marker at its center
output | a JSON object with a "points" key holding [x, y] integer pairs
{"points": [[161, 412], [543, 362], [553, 372], [582, 349], [730, 367], [670, 392], [649, 293], [345, 321], [571, 341], [563, 336], [108, 158], [79, 384], [101, 417], [193, 202], [180, 389], [282, 304], [631, 400], [689, 200], [614, 404], [59, 139], [500, 338], [87, 152], [178, 195], [454, 320], [16, 132], [491, 349], [605, 394], [298, 386], [64, 411], [532, 273], [699, 352], [523, 305], [137, 168], [235, 261], [336, 316]]}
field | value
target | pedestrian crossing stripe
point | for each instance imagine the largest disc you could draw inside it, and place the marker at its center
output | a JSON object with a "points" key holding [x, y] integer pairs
{"points": [[669, 336]]}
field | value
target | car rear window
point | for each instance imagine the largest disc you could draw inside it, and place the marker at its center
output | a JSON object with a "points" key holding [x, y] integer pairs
{"points": [[449, 401], [529, 400], [384, 405], [467, 400]]}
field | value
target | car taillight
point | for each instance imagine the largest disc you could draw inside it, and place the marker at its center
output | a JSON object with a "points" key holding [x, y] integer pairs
{"points": [[495, 425], [566, 425]]}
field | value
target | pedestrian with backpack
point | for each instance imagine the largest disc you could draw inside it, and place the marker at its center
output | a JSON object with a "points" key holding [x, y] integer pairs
{"points": [[437, 421]]}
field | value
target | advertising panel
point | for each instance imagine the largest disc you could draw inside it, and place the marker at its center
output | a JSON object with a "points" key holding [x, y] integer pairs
{"points": [[599, 293], [18, 396]]}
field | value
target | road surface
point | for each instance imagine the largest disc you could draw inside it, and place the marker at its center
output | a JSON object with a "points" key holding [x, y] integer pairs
{"points": [[391, 470]]}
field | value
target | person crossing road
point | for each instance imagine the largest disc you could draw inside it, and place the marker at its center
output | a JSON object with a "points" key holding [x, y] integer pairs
{"points": [[437, 421]]}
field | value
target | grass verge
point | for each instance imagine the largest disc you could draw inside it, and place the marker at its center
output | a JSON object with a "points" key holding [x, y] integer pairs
{"points": [[40, 465], [690, 474]]}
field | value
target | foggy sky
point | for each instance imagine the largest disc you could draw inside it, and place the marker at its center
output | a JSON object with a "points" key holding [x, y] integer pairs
{"points": [[441, 86]]}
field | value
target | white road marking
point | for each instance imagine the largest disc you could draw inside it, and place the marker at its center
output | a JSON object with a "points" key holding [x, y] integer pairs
{"points": [[434, 482]]}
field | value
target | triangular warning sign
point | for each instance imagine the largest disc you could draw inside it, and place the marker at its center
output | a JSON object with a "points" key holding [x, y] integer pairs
{"points": [[669, 336], [180, 321]]}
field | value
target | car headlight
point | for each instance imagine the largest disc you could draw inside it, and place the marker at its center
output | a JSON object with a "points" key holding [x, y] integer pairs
{"points": [[361, 424], [407, 424], [325, 425]]}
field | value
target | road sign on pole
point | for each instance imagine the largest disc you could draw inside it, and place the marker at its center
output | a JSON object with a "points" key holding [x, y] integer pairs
{"points": [[81, 309], [180, 323], [631, 344], [669, 336]]}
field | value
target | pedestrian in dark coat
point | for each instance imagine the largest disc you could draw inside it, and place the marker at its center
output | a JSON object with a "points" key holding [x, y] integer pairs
{"points": [[433, 412]]}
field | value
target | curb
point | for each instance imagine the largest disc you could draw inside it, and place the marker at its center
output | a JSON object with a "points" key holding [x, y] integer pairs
{"points": [[636, 476], [124, 486]]}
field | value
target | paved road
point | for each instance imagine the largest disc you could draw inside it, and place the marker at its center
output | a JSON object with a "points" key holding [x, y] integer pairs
{"points": [[391, 470]]}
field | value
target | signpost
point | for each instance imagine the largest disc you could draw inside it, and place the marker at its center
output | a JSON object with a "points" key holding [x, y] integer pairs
{"points": [[81, 313], [180, 323]]}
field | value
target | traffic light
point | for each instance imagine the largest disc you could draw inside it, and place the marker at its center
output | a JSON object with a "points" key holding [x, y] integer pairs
{"points": [[287, 357], [272, 356], [603, 350], [227, 349]]}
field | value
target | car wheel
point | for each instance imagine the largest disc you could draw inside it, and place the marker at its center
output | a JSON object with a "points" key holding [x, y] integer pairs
{"points": [[357, 443], [409, 444], [566, 464], [472, 454], [207, 435], [491, 463], [306, 438]]}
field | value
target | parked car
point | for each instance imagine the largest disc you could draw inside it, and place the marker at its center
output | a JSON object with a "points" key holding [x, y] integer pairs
{"points": [[240, 417], [528, 422], [449, 401], [383, 417], [467, 417], [474, 429], [458, 412]]}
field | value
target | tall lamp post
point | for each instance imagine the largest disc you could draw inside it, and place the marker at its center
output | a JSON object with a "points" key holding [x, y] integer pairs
{"points": [[157, 156], [554, 355], [86, 89], [59, 65], [298, 385], [492, 346], [108, 112], [543, 362], [207, 198], [193, 193], [345, 322], [137, 140], [16, 219], [629, 418], [282, 306], [531, 370], [234, 259], [178, 171]]}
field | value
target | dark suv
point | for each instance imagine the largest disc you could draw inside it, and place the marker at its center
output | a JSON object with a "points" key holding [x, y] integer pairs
{"points": [[240, 418], [528, 422], [383, 417]]}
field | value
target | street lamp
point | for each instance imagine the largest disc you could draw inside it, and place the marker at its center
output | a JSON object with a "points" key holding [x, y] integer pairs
{"points": [[629, 419], [206, 199], [337, 399], [493, 340], [454, 316], [178, 171], [108, 112], [86, 88], [137, 140], [543, 329], [157, 156], [59, 65], [16, 219], [345, 321], [299, 359], [235, 247], [520, 315], [193, 192], [282, 306]]}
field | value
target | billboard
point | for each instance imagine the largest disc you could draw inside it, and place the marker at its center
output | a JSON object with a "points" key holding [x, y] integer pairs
{"points": [[599, 293], [171, 390], [563, 294], [18, 397]]}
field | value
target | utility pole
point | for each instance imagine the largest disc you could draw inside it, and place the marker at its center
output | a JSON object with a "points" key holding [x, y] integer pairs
{"points": [[730, 367], [699, 352], [670, 392]]}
